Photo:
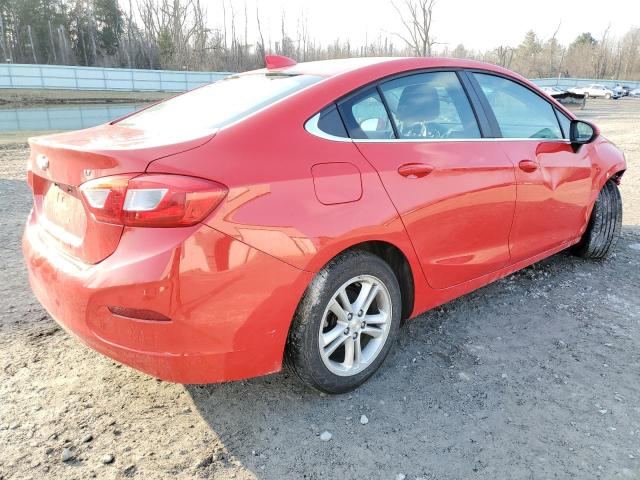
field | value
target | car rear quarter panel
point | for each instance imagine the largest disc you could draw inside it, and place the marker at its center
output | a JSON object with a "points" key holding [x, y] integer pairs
{"points": [[267, 161]]}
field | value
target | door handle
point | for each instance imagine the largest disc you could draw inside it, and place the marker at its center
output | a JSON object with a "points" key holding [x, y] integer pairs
{"points": [[528, 166], [415, 170]]}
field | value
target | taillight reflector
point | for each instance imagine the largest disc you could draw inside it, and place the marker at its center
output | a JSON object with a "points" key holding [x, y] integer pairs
{"points": [[139, 314]]}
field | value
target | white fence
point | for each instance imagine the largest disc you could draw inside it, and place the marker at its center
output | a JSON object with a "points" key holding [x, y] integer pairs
{"points": [[94, 78], [565, 83]]}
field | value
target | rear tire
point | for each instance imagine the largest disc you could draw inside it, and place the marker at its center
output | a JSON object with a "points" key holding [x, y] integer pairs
{"points": [[604, 225], [346, 323]]}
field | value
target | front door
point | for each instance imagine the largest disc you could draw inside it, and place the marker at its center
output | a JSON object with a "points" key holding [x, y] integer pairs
{"points": [[454, 191], [553, 182]]}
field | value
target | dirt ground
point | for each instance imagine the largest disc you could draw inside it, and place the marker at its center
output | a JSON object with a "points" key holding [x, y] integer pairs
{"points": [[536, 376]]}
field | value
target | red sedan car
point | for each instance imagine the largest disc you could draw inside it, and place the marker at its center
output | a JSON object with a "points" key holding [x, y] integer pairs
{"points": [[298, 214]]}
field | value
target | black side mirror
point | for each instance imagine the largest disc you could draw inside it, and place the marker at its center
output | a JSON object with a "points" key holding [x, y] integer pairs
{"points": [[581, 132]]}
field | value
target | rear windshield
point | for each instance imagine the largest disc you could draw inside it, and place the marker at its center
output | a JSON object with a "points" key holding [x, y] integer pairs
{"points": [[218, 104]]}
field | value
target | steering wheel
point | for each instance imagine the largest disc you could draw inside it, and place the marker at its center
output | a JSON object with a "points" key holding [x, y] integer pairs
{"points": [[431, 130], [436, 130]]}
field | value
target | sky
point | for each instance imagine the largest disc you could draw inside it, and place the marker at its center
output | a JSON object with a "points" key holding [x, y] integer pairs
{"points": [[479, 25]]}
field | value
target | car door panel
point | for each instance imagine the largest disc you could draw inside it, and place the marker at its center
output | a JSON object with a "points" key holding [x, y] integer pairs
{"points": [[552, 200], [454, 191], [458, 216], [553, 181]]}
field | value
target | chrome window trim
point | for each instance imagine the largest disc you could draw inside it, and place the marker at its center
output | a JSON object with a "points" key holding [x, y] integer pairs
{"points": [[431, 140], [311, 126]]}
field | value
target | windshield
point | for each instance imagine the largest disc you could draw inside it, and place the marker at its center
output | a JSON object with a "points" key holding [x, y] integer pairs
{"points": [[218, 104]]}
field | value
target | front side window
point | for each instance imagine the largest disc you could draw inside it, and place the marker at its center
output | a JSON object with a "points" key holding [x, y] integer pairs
{"points": [[520, 113], [218, 104], [430, 105]]}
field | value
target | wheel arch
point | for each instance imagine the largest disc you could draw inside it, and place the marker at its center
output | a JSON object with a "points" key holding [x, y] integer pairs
{"points": [[617, 175], [399, 263], [610, 164], [612, 172]]}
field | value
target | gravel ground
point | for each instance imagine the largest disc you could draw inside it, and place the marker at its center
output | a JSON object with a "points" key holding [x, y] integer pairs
{"points": [[535, 377]]}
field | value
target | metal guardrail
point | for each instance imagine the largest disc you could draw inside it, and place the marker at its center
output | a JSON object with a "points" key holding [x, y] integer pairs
{"points": [[125, 79], [565, 83], [69, 117], [64, 77]]}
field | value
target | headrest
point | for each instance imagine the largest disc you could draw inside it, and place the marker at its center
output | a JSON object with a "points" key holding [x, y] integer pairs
{"points": [[418, 103]]}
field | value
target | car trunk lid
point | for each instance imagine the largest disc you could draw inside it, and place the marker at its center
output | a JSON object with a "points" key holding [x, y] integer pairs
{"points": [[60, 163]]}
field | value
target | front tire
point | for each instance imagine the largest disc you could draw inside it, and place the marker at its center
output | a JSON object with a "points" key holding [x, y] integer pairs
{"points": [[604, 225], [346, 323]]}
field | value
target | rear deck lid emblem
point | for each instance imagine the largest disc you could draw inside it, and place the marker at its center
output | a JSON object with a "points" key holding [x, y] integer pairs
{"points": [[42, 161]]}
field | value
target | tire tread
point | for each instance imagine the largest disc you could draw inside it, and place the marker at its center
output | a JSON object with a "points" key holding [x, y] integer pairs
{"points": [[298, 357], [603, 229]]}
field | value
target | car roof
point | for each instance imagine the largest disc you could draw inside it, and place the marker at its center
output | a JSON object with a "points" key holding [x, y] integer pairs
{"points": [[330, 68], [344, 76], [348, 74]]}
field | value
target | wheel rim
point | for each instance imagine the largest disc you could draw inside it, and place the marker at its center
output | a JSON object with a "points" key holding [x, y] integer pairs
{"points": [[355, 325]]}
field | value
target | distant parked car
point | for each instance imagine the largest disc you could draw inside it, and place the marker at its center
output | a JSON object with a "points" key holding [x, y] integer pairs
{"points": [[595, 90], [635, 92], [620, 90], [565, 97], [553, 91]]}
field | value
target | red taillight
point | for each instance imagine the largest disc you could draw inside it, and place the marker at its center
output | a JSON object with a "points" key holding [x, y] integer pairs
{"points": [[152, 200]]}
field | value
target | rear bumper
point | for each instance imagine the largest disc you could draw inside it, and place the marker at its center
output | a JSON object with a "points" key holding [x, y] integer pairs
{"points": [[230, 305]]}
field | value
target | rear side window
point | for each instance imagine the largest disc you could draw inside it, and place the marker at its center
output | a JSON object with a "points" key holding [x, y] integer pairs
{"points": [[365, 116], [329, 122], [520, 113], [431, 106], [218, 104]]}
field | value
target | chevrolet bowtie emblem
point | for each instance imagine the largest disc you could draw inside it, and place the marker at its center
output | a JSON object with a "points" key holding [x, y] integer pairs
{"points": [[42, 161]]}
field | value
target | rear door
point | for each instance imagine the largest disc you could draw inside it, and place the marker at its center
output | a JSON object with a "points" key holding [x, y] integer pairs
{"points": [[455, 191], [553, 182]]}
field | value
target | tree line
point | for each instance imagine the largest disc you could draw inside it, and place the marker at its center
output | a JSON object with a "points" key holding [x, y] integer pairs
{"points": [[178, 35]]}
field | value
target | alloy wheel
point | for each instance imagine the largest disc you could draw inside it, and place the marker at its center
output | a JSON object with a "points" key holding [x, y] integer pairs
{"points": [[355, 325]]}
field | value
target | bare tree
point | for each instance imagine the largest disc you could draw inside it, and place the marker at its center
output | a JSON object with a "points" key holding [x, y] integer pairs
{"points": [[33, 47], [630, 52], [601, 59], [170, 24], [260, 47], [178, 34], [551, 49], [417, 23], [504, 56]]}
